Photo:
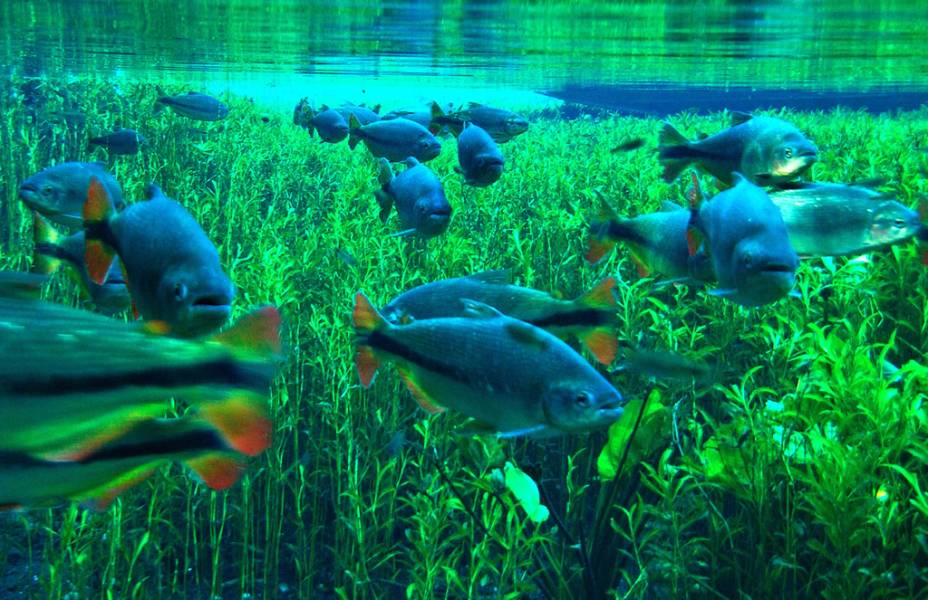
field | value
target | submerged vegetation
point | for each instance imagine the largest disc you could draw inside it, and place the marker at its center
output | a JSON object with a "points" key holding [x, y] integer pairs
{"points": [[797, 470]]}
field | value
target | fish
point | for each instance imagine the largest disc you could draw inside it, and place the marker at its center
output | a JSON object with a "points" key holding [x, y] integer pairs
{"points": [[418, 196], [330, 124], [628, 146], [502, 125], [663, 365], [171, 267], [657, 242], [51, 250], [72, 380], [96, 480], [833, 219], [765, 150], [510, 377], [59, 192], [743, 234], [121, 141], [302, 113], [479, 157], [194, 106], [591, 317], [395, 140]]}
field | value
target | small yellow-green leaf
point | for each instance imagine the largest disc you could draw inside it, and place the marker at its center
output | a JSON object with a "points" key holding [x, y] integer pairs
{"points": [[525, 490], [653, 433]]}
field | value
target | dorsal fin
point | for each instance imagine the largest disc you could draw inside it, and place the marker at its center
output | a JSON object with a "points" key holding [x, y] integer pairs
{"points": [[527, 334], [737, 118], [494, 277], [479, 310]]}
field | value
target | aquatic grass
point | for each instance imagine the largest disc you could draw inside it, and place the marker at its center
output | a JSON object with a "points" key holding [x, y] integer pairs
{"points": [[769, 485]]}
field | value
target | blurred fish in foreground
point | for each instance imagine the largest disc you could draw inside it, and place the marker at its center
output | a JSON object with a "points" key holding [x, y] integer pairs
{"points": [[591, 317], [71, 380], [512, 378], [95, 480], [172, 268]]}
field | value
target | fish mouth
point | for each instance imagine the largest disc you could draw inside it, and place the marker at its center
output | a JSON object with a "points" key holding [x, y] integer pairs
{"points": [[779, 268], [28, 193]]}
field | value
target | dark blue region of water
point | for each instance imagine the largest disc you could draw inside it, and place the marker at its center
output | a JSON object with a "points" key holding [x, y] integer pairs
{"points": [[666, 100]]}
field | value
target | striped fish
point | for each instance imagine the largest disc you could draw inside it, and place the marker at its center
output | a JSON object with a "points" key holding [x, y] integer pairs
{"points": [[71, 380], [510, 377], [590, 317], [95, 480]]}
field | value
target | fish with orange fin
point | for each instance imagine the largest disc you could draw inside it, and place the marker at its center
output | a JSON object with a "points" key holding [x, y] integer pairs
{"points": [[171, 267], [510, 377], [591, 317], [95, 480], [52, 250], [71, 380], [657, 242], [743, 234]]}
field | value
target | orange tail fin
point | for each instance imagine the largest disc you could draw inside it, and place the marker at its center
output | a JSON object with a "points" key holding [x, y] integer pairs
{"points": [[258, 331], [218, 471], [242, 422], [600, 296], [602, 343]]}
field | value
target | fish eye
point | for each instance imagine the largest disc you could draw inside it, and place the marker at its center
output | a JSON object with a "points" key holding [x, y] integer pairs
{"points": [[47, 189], [180, 291], [788, 152], [899, 223], [583, 400]]}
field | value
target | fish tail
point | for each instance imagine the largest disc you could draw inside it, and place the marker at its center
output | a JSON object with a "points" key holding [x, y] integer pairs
{"points": [[242, 421], [97, 141], [601, 296], [600, 241], [366, 321], [47, 252], [602, 342], [219, 471], [98, 210], [437, 113], [257, 332], [385, 201], [673, 151], [353, 131]]}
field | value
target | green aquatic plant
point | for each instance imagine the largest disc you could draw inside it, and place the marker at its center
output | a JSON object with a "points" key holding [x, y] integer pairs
{"points": [[798, 470]]}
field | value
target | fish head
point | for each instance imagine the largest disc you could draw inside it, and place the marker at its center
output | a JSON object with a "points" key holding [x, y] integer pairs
{"points": [[792, 156], [48, 192], [487, 168], [764, 268], [427, 147], [892, 222], [581, 405], [433, 213], [514, 125], [195, 302]]}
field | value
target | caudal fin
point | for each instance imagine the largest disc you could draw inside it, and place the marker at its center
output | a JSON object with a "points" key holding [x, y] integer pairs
{"points": [[366, 321], [242, 421], [672, 151], [601, 296], [602, 342], [257, 332], [98, 210], [353, 131], [600, 242], [219, 471], [47, 251]]}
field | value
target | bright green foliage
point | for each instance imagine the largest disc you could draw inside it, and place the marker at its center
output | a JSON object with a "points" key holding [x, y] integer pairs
{"points": [[800, 471]]}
